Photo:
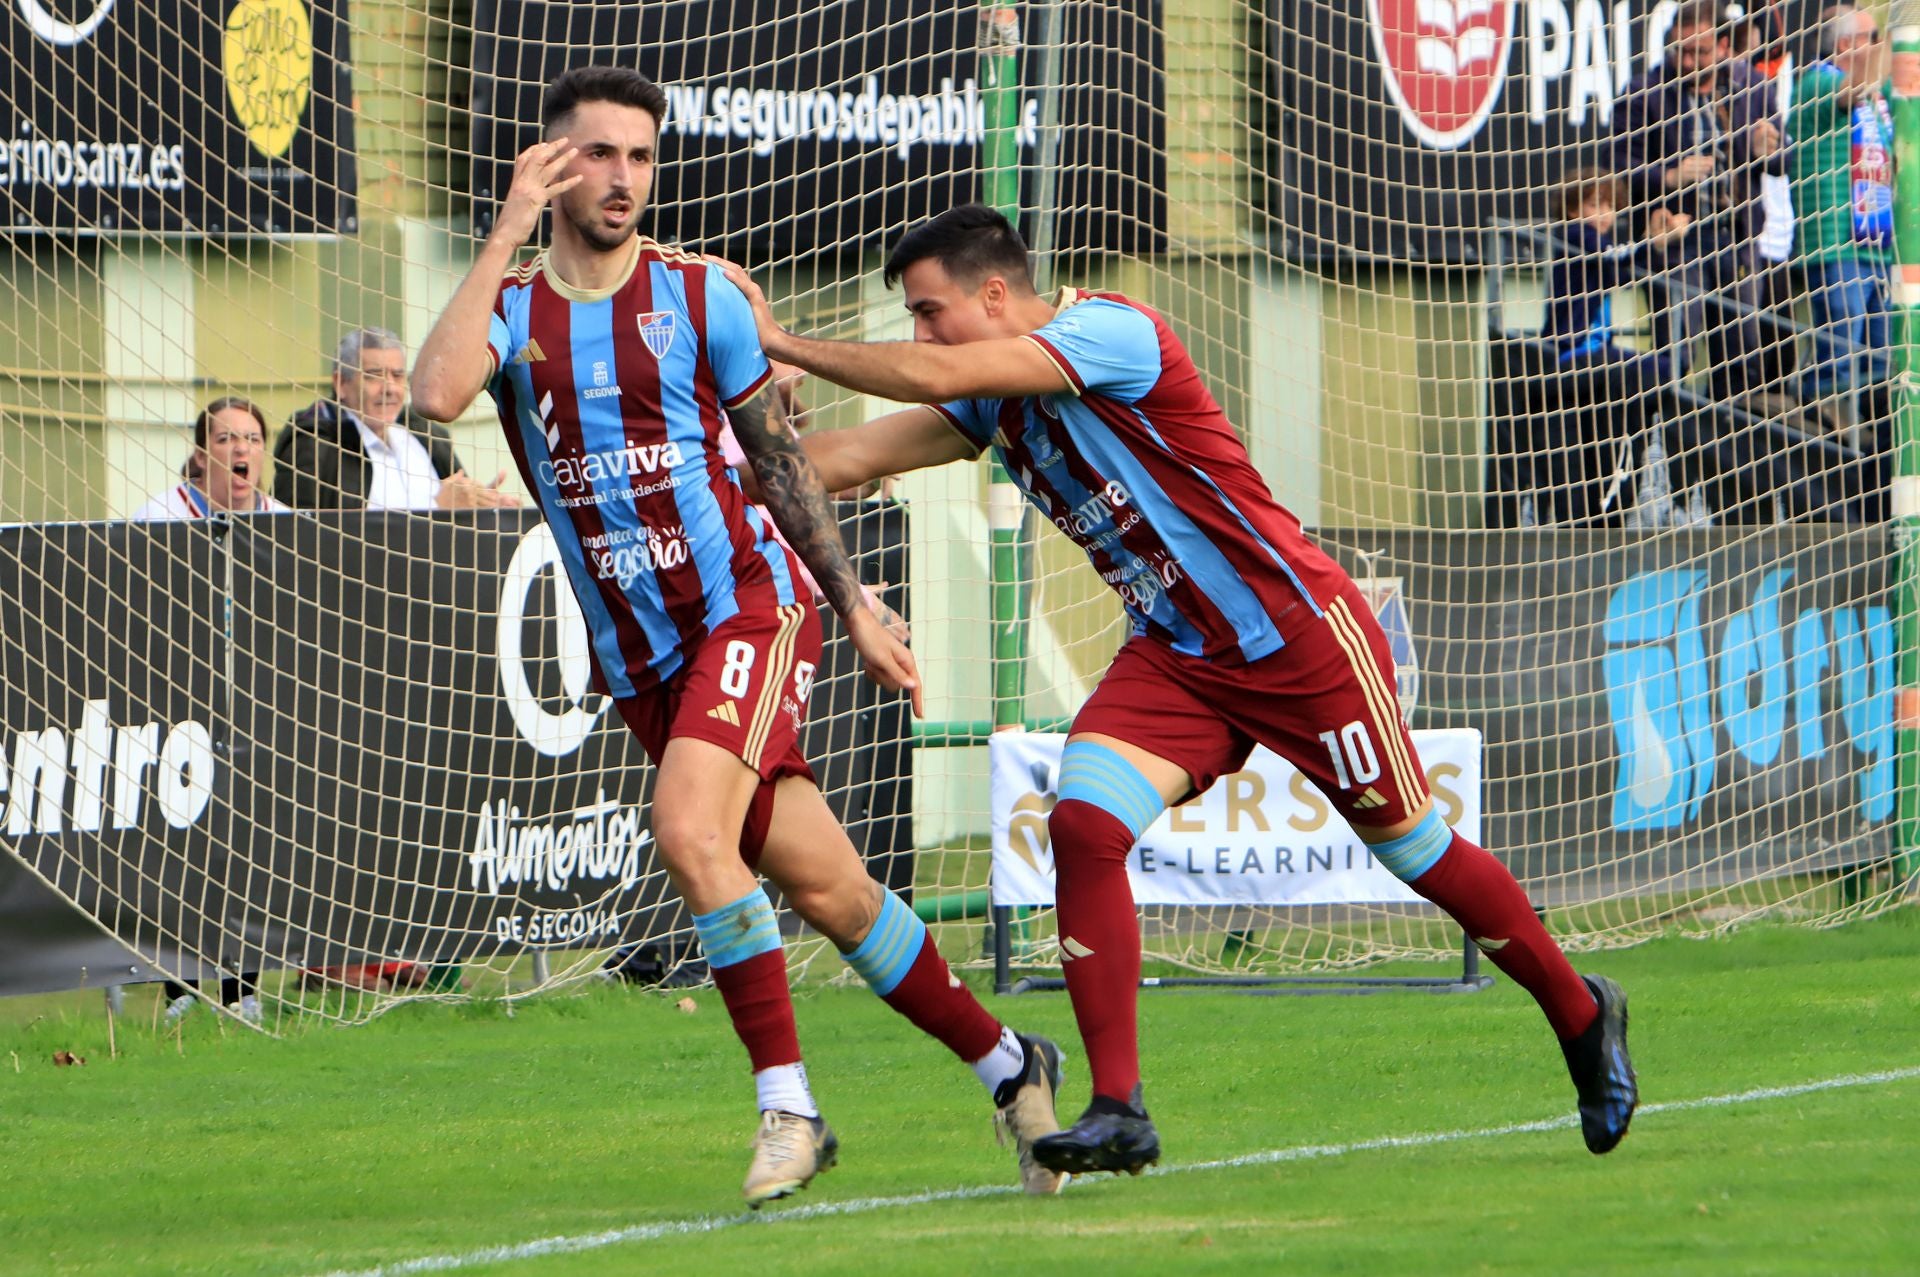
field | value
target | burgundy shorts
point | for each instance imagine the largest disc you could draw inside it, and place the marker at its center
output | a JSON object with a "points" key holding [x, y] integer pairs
{"points": [[744, 689], [1325, 702]]}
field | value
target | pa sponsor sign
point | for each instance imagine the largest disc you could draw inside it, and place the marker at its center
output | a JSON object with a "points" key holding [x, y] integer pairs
{"points": [[1444, 62], [1263, 835], [1408, 125]]}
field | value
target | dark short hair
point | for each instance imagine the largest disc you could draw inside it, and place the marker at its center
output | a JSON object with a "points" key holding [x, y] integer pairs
{"points": [[1582, 184], [1694, 14], [204, 422], [622, 86], [971, 242]]}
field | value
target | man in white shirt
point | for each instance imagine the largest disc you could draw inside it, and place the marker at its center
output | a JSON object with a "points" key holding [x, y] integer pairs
{"points": [[363, 449], [223, 473]]}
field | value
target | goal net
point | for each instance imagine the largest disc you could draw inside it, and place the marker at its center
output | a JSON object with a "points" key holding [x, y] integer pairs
{"points": [[1509, 303]]}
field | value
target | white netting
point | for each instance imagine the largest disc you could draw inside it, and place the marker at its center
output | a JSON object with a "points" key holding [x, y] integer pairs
{"points": [[1659, 584]]}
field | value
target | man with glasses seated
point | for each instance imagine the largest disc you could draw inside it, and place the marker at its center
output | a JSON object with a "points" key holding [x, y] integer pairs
{"points": [[364, 449]]}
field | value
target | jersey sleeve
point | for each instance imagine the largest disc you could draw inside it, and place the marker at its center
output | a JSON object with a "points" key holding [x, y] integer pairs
{"points": [[733, 341], [972, 418], [1103, 347], [500, 342], [506, 339]]}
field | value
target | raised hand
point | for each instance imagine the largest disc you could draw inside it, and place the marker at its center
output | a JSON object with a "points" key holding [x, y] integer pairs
{"points": [[537, 179]]}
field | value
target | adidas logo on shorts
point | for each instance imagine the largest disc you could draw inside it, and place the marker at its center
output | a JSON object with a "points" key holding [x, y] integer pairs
{"points": [[725, 712], [1369, 800]]}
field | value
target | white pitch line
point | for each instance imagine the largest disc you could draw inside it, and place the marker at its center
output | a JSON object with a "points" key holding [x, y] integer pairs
{"points": [[866, 1205]]}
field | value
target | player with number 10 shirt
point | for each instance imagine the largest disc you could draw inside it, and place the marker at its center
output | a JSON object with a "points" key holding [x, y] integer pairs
{"points": [[1243, 632]]}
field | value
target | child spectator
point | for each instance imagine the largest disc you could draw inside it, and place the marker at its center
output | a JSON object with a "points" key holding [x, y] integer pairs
{"points": [[1608, 395]]}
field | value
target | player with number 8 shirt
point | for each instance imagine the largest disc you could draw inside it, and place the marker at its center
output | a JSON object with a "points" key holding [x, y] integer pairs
{"points": [[615, 364]]}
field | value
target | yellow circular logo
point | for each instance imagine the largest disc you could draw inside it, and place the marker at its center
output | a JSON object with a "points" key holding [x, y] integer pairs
{"points": [[269, 69]]}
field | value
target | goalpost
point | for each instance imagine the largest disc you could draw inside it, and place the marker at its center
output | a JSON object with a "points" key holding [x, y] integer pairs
{"points": [[334, 743]]}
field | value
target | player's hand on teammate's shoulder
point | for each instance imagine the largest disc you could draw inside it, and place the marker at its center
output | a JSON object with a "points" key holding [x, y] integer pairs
{"points": [[769, 328], [889, 663], [536, 179], [459, 491]]}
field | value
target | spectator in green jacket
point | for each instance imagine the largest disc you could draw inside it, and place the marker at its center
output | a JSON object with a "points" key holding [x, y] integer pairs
{"points": [[1843, 194]]}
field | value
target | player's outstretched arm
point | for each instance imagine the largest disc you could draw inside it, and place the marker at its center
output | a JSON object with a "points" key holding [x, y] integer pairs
{"points": [[454, 362], [792, 492], [894, 444], [908, 371]]}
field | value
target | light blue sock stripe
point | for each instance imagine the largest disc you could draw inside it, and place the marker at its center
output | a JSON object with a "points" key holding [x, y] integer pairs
{"points": [[1127, 793], [892, 942], [1110, 796], [1414, 852], [1095, 774], [733, 933], [888, 953]]}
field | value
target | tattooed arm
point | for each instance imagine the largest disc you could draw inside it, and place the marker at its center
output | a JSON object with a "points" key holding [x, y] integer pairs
{"points": [[790, 488]]}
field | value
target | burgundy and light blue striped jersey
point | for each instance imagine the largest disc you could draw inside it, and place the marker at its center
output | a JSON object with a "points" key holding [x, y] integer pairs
{"points": [[612, 402], [1141, 468]]}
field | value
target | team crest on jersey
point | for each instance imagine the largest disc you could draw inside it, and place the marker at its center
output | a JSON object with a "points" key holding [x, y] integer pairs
{"points": [[656, 329], [1444, 62]]}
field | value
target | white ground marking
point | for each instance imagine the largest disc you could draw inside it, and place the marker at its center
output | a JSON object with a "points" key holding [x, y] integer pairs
{"points": [[867, 1205]]}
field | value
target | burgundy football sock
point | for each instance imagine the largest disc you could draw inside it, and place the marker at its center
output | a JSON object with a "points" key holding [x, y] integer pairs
{"points": [[1483, 897], [1099, 940], [942, 1007], [761, 1007]]}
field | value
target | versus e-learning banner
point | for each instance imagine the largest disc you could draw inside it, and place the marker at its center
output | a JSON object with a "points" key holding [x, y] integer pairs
{"points": [[1262, 835]]}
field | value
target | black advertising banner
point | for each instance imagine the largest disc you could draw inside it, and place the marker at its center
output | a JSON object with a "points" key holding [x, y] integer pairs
{"points": [[313, 740], [1670, 713], [386, 747], [1405, 126], [220, 117], [832, 127], [109, 774]]}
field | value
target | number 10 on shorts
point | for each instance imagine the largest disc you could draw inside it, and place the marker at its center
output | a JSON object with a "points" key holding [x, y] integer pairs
{"points": [[1354, 759]]}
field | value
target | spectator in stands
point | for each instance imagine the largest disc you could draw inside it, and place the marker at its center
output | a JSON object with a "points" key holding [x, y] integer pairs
{"points": [[365, 449], [222, 474], [1843, 185], [1608, 396], [1760, 40], [1694, 136], [219, 477]]}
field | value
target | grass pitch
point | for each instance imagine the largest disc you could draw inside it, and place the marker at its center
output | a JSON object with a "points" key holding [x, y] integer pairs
{"points": [[607, 1133]]}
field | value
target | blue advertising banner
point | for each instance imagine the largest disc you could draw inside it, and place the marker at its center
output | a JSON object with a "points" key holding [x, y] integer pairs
{"points": [[1680, 710]]}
